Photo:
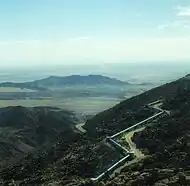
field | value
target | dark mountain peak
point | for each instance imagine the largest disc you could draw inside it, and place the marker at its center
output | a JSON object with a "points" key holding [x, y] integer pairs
{"points": [[187, 76], [98, 76], [90, 76], [52, 81], [101, 77], [78, 80]]}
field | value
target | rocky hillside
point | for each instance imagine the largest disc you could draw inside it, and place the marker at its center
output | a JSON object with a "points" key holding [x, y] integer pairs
{"points": [[168, 144], [23, 130], [74, 157], [67, 162], [41, 145], [132, 110]]}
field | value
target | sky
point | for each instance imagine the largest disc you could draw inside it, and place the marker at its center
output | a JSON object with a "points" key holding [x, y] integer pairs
{"points": [[93, 31]]}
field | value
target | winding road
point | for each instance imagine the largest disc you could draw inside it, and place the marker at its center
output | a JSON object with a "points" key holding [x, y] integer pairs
{"points": [[138, 154], [129, 132], [80, 127]]}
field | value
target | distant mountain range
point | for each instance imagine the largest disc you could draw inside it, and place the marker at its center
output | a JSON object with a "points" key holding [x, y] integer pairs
{"points": [[54, 81]]}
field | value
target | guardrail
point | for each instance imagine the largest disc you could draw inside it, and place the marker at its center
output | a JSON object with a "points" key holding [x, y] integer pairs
{"points": [[110, 169], [118, 145], [155, 102], [127, 129]]}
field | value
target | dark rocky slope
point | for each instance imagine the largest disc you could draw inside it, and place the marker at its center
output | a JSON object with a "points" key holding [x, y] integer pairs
{"points": [[23, 130], [70, 160], [132, 110], [41, 145], [168, 144]]}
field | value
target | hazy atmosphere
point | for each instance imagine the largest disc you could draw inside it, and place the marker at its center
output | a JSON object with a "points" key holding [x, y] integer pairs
{"points": [[142, 43], [110, 31], [95, 92]]}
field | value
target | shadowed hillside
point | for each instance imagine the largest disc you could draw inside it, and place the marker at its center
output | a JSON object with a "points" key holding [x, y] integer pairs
{"points": [[132, 110], [168, 143], [23, 130]]}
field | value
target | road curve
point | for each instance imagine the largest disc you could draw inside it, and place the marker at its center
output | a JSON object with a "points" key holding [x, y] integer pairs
{"points": [[80, 127], [138, 154]]}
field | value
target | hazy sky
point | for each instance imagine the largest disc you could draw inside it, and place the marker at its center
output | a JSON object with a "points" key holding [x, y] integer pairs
{"points": [[91, 31]]}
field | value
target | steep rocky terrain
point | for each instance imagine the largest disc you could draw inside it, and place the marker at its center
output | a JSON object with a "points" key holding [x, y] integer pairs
{"points": [[73, 157], [23, 130], [40, 145], [66, 161], [113, 121], [168, 143], [132, 110]]}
